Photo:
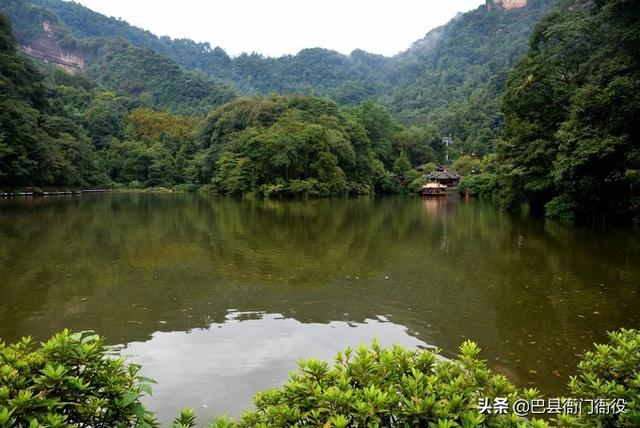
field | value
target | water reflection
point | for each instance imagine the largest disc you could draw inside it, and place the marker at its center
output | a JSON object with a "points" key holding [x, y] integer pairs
{"points": [[219, 368], [532, 293]]}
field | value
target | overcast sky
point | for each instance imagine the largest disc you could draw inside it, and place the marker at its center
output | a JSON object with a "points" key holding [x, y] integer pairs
{"points": [[277, 27]]}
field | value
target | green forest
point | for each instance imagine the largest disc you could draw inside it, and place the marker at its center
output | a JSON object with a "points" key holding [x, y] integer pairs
{"points": [[540, 102], [572, 115]]}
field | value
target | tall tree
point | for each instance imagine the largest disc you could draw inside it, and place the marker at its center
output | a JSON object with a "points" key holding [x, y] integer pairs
{"points": [[571, 144]]}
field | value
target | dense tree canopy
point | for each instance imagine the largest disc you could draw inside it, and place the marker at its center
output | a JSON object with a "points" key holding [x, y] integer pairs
{"points": [[155, 79], [155, 148], [37, 143], [68, 130], [296, 145], [573, 116], [452, 79]]}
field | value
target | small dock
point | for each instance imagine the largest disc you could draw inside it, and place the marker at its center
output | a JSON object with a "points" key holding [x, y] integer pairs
{"points": [[39, 192]]}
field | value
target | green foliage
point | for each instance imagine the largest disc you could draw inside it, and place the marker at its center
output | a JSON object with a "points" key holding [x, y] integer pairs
{"points": [[570, 145], [479, 176], [156, 80], [610, 372], [130, 161], [38, 145], [301, 145], [186, 187], [279, 145], [47, 116], [389, 138], [467, 165], [479, 185], [385, 387], [406, 178], [103, 116], [31, 28], [561, 207], [454, 77], [451, 79], [187, 419], [69, 381], [397, 387]]}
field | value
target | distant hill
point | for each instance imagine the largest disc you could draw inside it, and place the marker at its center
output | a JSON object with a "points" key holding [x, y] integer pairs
{"points": [[455, 75], [452, 78], [113, 61]]}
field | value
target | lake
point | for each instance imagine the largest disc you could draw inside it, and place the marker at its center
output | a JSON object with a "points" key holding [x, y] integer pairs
{"points": [[218, 297]]}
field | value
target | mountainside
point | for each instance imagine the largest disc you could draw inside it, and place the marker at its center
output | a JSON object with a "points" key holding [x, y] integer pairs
{"points": [[455, 75], [68, 129], [38, 142], [84, 22], [448, 83], [46, 48], [114, 62], [451, 78]]}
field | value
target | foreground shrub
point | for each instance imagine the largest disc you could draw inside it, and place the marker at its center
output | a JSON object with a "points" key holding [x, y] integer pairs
{"points": [[610, 372], [72, 380], [379, 387], [69, 381]]}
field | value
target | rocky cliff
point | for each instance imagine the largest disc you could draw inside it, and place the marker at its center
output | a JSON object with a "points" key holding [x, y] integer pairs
{"points": [[507, 4], [46, 48]]}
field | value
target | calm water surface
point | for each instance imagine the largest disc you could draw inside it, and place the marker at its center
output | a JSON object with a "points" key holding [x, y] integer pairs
{"points": [[218, 298]]}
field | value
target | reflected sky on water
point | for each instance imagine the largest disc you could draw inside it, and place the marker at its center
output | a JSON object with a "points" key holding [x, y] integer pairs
{"points": [[226, 294]]}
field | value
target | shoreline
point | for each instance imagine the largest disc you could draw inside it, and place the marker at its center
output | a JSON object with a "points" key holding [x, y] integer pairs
{"points": [[48, 191]]}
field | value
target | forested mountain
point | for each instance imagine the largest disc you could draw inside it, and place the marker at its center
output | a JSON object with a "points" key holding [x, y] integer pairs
{"points": [[451, 79], [69, 129], [153, 78], [571, 144], [115, 63], [39, 142], [84, 23], [133, 110], [454, 77]]}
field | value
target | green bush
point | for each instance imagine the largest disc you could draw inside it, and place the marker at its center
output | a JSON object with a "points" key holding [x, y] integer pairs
{"points": [[207, 188], [272, 190], [308, 187], [69, 380], [479, 185], [610, 372], [401, 388], [396, 387], [561, 207], [429, 167], [467, 165]]}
